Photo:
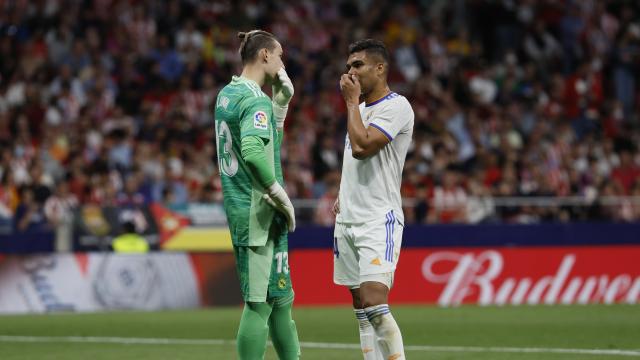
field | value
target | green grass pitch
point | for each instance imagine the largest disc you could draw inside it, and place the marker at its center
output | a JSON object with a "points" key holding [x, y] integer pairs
{"points": [[468, 332]]}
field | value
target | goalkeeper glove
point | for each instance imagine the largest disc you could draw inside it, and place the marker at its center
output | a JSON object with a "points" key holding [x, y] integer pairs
{"points": [[278, 198], [282, 90]]}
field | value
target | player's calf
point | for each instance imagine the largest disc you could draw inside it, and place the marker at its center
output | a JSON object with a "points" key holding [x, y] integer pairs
{"points": [[253, 331], [283, 329]]}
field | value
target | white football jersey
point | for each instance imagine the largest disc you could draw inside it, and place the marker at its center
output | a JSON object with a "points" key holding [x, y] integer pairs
{"points": [[370, 188]]}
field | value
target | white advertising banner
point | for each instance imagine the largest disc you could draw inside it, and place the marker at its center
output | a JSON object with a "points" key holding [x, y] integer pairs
{"points": [[97, 282]]}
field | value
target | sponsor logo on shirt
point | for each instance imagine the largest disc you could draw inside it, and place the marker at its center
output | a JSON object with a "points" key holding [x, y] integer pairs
{"points": [[260, 120]]}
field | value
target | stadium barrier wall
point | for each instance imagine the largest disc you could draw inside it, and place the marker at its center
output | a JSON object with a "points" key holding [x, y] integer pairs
{"points": [[27, 242], [87, 282], [446, 265], [202, 227]]}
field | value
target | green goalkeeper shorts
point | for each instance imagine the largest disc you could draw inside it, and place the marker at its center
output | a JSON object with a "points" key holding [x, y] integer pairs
{"points": [[264, 270]]}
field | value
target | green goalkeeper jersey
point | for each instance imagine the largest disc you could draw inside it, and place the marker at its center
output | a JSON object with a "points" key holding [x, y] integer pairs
{"points": [[243, 109]]}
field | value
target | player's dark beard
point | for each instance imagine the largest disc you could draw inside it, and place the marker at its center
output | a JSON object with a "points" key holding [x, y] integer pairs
{"points": [[365, 88]]}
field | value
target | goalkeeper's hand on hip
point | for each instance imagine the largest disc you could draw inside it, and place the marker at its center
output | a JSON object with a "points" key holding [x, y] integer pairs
{"points": [[278, 198]]}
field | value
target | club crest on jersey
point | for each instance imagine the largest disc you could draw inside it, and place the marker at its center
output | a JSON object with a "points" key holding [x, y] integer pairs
{"points": [[260, 120]]}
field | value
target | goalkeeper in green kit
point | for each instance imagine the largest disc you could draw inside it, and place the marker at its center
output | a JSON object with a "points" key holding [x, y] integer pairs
{"points": [[249, 130]]}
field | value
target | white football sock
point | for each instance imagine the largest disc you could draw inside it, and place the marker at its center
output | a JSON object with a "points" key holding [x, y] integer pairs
{"points": [[368, 343], [387, 331]]}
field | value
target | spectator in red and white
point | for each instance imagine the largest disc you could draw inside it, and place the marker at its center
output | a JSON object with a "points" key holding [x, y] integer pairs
{"points": [[480, 206], [628, 172], [448, 200], [58, 208], [141, 28], [612, 206]]}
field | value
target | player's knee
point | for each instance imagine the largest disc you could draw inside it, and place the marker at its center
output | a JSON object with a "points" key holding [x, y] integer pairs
{"points": [[372, 301], [372, 298], [262, 309], [373, 293]]}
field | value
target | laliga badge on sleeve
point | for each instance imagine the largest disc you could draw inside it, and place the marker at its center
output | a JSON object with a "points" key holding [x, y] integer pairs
{"points": [[260, 120]]}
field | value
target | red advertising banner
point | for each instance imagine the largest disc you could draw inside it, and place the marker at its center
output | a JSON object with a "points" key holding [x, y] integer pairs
{"points": [[488, 276]]}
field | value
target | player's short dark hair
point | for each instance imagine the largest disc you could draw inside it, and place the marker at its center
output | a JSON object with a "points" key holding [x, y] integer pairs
{"points": [[252, 42], [371, 47]]}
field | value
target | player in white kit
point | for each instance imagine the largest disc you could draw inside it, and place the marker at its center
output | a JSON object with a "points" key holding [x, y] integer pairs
{"points": [[369, 218]]}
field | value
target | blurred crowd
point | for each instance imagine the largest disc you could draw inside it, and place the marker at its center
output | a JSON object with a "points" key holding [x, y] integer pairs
{"points": [[109, 102]]}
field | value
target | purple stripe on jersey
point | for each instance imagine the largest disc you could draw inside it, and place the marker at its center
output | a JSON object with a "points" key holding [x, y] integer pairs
{"points": [[382, 130], [390, 95]]}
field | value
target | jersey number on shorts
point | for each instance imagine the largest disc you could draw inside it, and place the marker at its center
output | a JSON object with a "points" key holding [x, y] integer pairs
{"points": [[283, 262], [227, 159]]}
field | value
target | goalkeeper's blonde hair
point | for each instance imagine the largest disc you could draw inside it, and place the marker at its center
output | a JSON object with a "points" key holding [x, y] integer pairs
{"points": [[252, 42]]}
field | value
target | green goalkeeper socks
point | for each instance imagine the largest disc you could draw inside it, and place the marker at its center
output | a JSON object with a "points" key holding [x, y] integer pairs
{"points": [[253, 331], [283, 329], [260, 319]]}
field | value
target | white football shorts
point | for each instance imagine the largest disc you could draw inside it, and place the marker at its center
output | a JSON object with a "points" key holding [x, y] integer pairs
{"points": [[367, 251]]}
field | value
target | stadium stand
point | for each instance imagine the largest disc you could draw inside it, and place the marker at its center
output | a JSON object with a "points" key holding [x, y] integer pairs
{"points": [[525, 111]]}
